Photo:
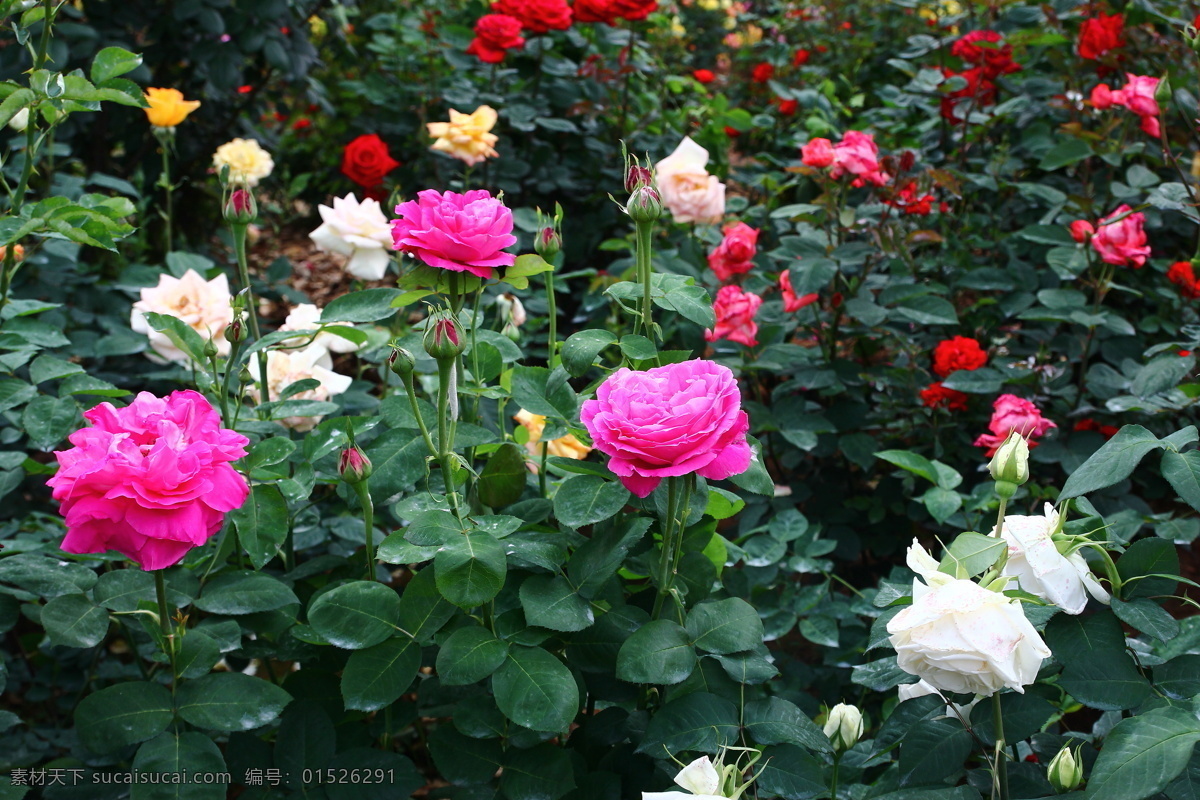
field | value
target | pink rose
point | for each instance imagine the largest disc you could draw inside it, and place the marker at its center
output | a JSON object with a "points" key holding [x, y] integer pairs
{"points": [[735, 312], [1012, 413], [1102, 96], [151, 480], [459, 232], [670, 421], [858, 154], [792, 303], [735, 254], [686, 188], [817, 153], [1138, 95], [1082, 230], [1123, 242]]}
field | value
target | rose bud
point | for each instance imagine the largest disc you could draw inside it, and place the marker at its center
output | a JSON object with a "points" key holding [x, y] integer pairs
{"points": [[1010, 465], [644, 205], [548, 243], [401, 362], [241, 207], [236, 331], [637, 177], [1065, 771], [354, 466], [844, 726], [443, 336]]}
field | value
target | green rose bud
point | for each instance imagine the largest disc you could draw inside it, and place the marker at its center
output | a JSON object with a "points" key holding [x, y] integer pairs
{"points": [[844, 726], [401, 362], [354, 466], [644, 204], [1010, 465], [443, 336], [1065, 771]]}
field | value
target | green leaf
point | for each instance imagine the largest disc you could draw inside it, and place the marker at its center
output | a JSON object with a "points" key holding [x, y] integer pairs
{"points": [[198, 652], [113, 62], [546, 392], [14, 392], [1024, 715], [1146, 616], [121, 715], [366, 305], [1143, 754], [180, 334], [230, 701], [638, 347], [376, 677], [1148, 557], [941, 503], [398, 458], [268, 453], [186, 754], [503, 478], [933, 751], [1113, 462], [755, 479], [49, 420], [722, 504], [403, 778], [1096, 669], [975, 381], [580, 349], [587, 499], [1179, 677], [262, 523], [725, 626], [550, 602], [536, 690], [777, 721], [470, 569], [1182, 471], [926, 310], [306, 740], [910, 462], [600, 556], [658, 652], [74, 621], [470, 654], [697, 721], [1161, 374], [971, 554], [693, 304], [462, 759], [791, 773], [21, 98], [423, 610], [1065, 153], [355, 615], [527, 265], [244, 592], [543, 772]]}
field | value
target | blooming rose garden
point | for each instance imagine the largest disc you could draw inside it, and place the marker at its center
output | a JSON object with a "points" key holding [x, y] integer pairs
{"points": [[600, 400]]}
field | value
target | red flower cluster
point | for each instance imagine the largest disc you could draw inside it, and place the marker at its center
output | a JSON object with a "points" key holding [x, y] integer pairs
{"points": [[763, 72], [800, 57], [538, 16], [705, 76], [987, 50], [366, 161], [961, 352], [1100, 35], [980, 90], [495, 35], [1183, 275], [909, 201], [632, 9], [1089, 424], [938, 396], [735, 310]]}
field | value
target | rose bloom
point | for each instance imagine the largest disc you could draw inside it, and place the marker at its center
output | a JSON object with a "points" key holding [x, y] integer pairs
{"points": [[248, 163], [366, 161], [1034, 560], [564, 446], [1089, 424], [961, 352], [539, 16], [735, 312], [466, 137], [701, 780], [495, 35], [817, 152], [705, 76], [285, 367], [1082, 230], [763, 72], [307, 317], [988, 50], [151, 480], [594, 11], [792, 303], [1138, 96], [670, 421], [1011, 413], [908, 691], [633, 10], [961, 637], [204, 306], [800, 57], [735, 254], [358, 230], [1100, 34], [858, 154], [459, 232], [937, 396], [686, 188], [1123, 242], [167, 107], [980, 90], [1102, 97], [1182, 274]]}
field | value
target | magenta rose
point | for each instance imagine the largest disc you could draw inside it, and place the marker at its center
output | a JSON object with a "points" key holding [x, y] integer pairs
{"points": [[1011, 413], [459, 232], [1122, 242], [669, 421], [858, 154], [151, 480]]}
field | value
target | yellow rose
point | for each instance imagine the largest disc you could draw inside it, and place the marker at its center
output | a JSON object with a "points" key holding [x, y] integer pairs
{"points": [[466, 137], [248, 162], [168, 108], [565, 447], [1196, 166]]}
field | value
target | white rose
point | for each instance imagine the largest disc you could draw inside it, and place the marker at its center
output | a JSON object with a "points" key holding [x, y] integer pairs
{"points": [[1040, 569], [204, 306], [963, 638], [699, 777], [843, 726], [307, 317], [358, 230], [285, 367], [907, 691], [20, 120], [685, 186]]}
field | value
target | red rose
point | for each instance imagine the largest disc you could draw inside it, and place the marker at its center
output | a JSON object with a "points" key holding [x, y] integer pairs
{"points": [[961, 352], [763, 72], [634, 9], [1101, 34], [938, 396], [735, 254], [988, 50], [539, 16], [1183, 275], [788, 107], [910, 202], [979, 89], [594, 11], [366, 161], [1089, 424], [800, 58], [301, 124], [732, 133], [495, 35], [705, 76]]}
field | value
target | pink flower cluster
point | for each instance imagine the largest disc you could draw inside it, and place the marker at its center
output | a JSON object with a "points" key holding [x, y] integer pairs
{"points": [[1120, 238], [1137, 95], [151, 480], [856, 154], [1011, 413]]}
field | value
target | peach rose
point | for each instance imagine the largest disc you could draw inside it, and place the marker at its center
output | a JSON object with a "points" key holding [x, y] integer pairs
{"points": [[204, 306], [467, 137], [685, 186]]}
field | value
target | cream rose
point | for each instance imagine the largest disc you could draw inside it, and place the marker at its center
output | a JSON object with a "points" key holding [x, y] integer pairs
{"points": [[699, 777], [467, 137], [307, 317], [685, 186], [204, 306], [248, 162], [285, 367], [1035, 561], [961, 637], [358, 230]]}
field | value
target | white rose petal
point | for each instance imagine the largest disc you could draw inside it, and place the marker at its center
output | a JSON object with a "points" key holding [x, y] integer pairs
{"points": [[358, 230], [1041, 570], [700, 777]]}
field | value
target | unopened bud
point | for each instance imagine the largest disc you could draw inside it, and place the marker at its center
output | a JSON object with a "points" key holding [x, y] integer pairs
{"points": [[1192, 36], [548, 243], [907, 159], [1065, 771], [236, 331], [210, 348], [511, 309], [1010, 464], [401, 362], [18, 253], [644, 204], [1163, 93], [844, 726], [637, 177], [443, 336], [241, 207], [244, 376], [20, 120], [510, 331], [354, 466]]}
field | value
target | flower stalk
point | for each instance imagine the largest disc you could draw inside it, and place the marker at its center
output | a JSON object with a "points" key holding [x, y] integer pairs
{"points": [[164, 621]]}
